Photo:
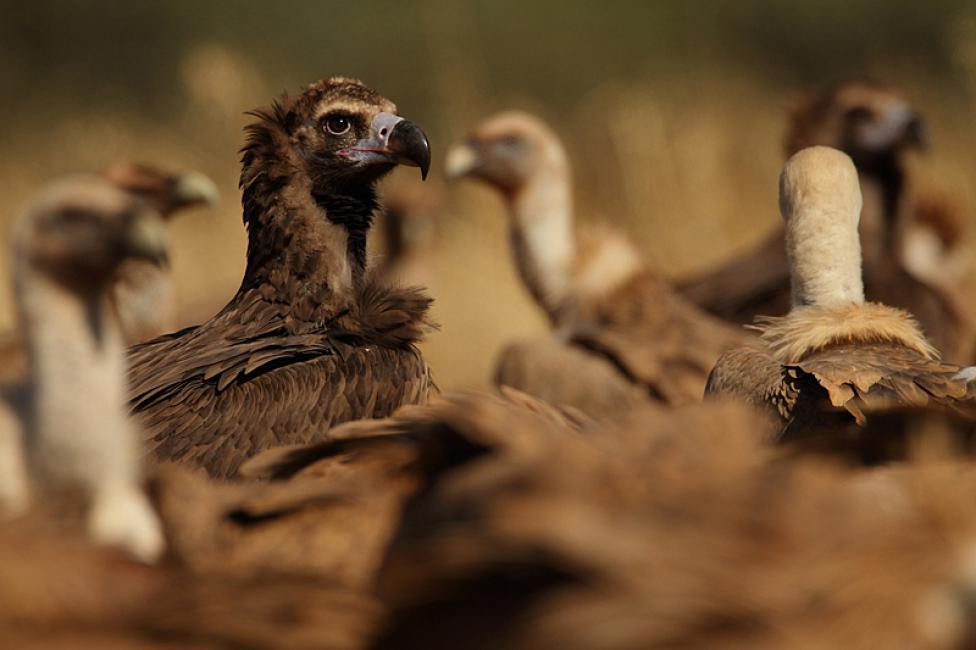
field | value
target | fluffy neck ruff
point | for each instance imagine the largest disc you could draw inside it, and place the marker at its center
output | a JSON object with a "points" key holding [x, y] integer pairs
{"points": [[79, 430], [306, 237], [806, 330], [542, 235]]}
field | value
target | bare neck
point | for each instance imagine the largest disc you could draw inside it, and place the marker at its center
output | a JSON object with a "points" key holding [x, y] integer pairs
{"points": [[542, 236], [825, 258], [78, 371]]}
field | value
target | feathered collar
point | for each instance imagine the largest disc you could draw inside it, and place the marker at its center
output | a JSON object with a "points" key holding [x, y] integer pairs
{"points": [[806, 330]]}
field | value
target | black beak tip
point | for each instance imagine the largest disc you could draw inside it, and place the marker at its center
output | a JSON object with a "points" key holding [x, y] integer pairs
{"points": [[411, 144], [916, 132]]}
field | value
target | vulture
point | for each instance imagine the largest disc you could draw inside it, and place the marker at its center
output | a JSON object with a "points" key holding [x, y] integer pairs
{"points": [[310, 339], [532, 526], [833, 353], [409, 225], [66, 427], [622, 334], [906, 234], [142, 293], [59, 591]]}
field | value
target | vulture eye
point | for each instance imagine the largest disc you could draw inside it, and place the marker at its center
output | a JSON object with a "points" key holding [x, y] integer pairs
{"points": [[858, 114], [337, 124]]}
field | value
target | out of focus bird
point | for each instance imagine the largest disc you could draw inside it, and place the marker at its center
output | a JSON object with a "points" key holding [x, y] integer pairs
{"points": [[309, 340], [833, 351], [66, 426], [905, 233], [623, 335], [58, 591], [530, 526], [410, 230], [142, 292]]}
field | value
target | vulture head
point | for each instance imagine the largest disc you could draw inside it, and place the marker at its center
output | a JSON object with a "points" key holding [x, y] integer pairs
{"points": [[83, 227], [868, 121], [340, 132], [507, 151], [165, 192]]}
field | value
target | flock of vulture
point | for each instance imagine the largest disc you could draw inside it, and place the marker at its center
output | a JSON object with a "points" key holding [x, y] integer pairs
{"points": [[775, 454]]}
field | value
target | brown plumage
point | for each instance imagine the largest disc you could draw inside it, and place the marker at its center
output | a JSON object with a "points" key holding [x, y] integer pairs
{"points": [[833, 351], [57, 591], [309, 340], [876, 126], [529, 526], [601, 298]]}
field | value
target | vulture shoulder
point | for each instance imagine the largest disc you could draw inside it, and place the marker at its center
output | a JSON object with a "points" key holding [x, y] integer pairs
{"points": [[216, 394], [755, 283], [561, 373], [657, 338], [850, 360]]}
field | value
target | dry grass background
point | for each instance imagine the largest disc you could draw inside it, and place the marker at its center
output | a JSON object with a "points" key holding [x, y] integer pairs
{"points": [[685, 161]]}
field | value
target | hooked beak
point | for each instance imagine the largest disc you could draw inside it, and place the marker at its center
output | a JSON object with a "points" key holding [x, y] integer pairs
{"points": [[462, 159], [146, 238], [193, 188], [395, 140]]}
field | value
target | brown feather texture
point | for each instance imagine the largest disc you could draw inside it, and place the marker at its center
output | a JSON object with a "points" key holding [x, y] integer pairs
{"points": [[909, 239], [619, 322], [524, 525], [309, 340]]}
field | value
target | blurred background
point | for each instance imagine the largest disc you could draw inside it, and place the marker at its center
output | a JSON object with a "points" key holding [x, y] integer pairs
{"points": [[673, 112]]}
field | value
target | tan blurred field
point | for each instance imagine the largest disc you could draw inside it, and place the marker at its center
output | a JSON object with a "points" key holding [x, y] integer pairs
{"points": [[686, 163]]}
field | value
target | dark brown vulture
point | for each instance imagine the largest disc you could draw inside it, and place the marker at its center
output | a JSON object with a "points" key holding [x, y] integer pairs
{"points": [[876, 126], [623, 335], [66, 425], [309, 340], [833, 351], [142, 293], [531, 527]]}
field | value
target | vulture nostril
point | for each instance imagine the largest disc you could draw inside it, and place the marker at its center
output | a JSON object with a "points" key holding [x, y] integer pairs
{"points": [[383, 131]]}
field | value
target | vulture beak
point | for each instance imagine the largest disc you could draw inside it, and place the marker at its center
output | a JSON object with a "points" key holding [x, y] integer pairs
{"points": [[145, 238], [461, 160], [193, 188], [393, 139], [897, 126]]}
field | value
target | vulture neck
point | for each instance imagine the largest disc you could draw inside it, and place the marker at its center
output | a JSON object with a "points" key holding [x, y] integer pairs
{"points": [[542, 236], [79, 430], [143, 299], [882, 186], [306, 246], [825, 256]]}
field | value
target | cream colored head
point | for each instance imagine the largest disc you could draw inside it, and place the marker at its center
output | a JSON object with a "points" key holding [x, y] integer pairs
{"points": [[508, 151], [820, 200]]}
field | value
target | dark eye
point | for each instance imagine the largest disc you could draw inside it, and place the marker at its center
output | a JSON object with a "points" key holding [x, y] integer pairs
{"points": [[337, 124], [858, 114]]}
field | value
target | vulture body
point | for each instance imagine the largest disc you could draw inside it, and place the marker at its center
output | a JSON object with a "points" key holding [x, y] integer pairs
{"points": [[142, 292], [602, 300], [529, 526], [833, 351], [906, 235], [65, 427], [309, 340]]}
